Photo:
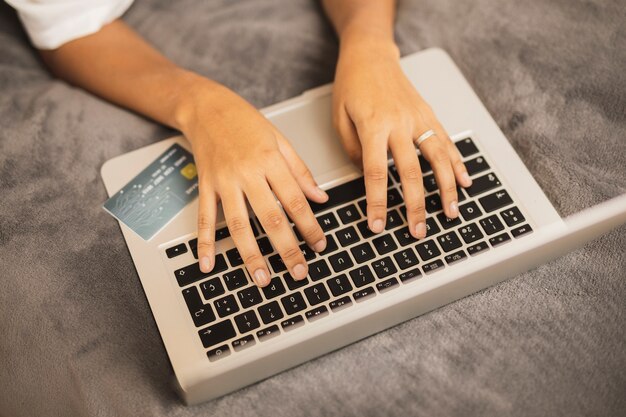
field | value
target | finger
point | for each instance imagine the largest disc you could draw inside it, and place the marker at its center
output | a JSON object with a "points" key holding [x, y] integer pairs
{"points": [[435, 150], [294, 203], [238, 223], [207, 212], [375, 171], [348, 135], [408, 166], [277, 228], [460, 171], [301, 172]]}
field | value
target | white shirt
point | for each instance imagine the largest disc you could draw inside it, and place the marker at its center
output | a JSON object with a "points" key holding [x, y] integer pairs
{"points": [[51, 23]]}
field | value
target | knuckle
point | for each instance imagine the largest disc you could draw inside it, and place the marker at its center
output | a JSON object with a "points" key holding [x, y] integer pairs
{"points": [[297, 205], [376, 173], [416, 210], [312, 232], [207, 244], [292, 254], [237, 225], [272, 220], [376, 204], [204, 222], [412, 172], [252, 258], [441, 157], [450, 188]]}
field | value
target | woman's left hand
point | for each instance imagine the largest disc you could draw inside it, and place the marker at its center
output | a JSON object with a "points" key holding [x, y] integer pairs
{"points": [[376, 108]]}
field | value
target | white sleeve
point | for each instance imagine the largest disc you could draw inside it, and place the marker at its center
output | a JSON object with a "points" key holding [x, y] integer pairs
{"points": [[51, 23]]}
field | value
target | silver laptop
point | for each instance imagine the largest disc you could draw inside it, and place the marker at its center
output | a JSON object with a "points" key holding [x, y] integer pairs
{"points": [[222, 332]]}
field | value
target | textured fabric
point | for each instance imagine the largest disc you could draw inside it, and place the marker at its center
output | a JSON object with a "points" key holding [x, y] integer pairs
{"points": [[76, 334], [51, 23]]}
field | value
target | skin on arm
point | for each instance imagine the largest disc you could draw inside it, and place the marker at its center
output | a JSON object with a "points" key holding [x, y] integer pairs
{"points": [[239, 154], [376, 108]]}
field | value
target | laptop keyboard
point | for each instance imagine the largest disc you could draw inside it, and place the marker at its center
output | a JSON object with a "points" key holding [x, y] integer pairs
{"points": [[233, 314]]}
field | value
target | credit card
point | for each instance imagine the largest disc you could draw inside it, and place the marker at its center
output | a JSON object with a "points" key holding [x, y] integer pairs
{"points": [[154, 197]]}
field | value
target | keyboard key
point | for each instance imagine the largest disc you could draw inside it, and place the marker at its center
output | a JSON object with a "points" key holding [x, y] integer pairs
{"points": [[347, 236], [410, 275], [384, 244], [316, 313], [387, 284], [476, 165], [190, 274], [433, 266], [363, 206], [499, 240], [393, 220], [200, 313], [307, 252], [243, 342], [449, 241], [331, 245], [249, 296], [394, 173], [234, 257], [455, 257], [247, 321], [429, 183], [384, 267], [319, 270], [466, 147], [363, 252], [316, 294], [339, 285], [512, 216], [255, 231], [292, 323], [431, 227], [460, 194], [297, 234], [446, 222], [265, 246], [176, 250], [348, 214], [522, 230], [193, 245], [365, 229], [341, 194], [268, 333], [258, 223], [226, 306], [340, 303], [478, 248], [292, 284], [328, 221], [495, 201], [393, 198], [235, 279], [491, 224], [270, 312], [470, 233], [218, 353], [424, 164], [404, 236], [481, 184], [433, 203], [217, 333], [277, 263], [364, 293], [340, 261], [406, 258], [212, 288], [427, 250], [274, 288], [362, 276], [222, 233], [293, 303], [470, 211]]}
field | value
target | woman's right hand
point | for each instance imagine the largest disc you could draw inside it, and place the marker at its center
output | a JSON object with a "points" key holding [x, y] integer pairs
{"points": [[241, 156]]}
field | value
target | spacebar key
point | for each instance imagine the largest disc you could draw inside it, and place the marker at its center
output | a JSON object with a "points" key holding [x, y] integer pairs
{"points": [[341, 194]]}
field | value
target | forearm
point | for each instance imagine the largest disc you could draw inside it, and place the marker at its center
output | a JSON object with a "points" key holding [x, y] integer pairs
{"points": [[361, 22], [119, 66]]}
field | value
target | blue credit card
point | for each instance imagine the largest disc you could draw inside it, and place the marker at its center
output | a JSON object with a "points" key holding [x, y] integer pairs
{"points": [[155, 196]]}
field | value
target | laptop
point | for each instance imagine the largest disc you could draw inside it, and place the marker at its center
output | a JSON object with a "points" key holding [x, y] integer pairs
{"points": [[222, 333]]}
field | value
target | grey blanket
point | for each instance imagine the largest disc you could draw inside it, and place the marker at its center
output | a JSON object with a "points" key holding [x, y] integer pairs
{"points": [[76, 334]]}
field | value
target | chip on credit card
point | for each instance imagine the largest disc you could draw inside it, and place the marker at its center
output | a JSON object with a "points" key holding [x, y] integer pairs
{"points": [[157, 194]]}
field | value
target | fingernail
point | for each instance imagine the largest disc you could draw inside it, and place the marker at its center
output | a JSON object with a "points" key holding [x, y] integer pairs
{"points": [[420, 230], [299, 271], [260, 277], [454, 209], [320, 246], [377, 226], [466, 179], [321, 192], [205, 264]]}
